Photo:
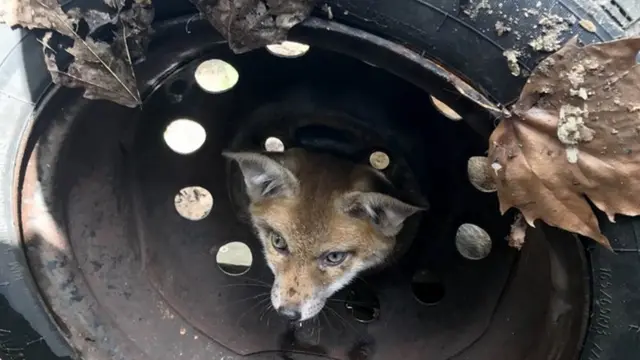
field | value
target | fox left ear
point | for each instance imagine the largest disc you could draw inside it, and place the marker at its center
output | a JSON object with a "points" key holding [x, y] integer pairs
{"points": [[383, 211], [263, 176]]}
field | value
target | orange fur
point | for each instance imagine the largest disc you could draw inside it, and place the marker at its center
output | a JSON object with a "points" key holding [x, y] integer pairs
{"points": [[313, 221]]}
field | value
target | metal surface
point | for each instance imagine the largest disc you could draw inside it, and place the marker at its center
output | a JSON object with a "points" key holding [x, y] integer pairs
{"points": [[625, 13], [127, 277], [217, 305]]}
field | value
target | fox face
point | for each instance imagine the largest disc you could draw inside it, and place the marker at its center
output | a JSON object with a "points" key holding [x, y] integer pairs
{"points": [[320, 222]]}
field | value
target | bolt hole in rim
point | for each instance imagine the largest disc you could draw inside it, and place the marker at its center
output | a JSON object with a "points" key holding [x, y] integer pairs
{"points": [[251, 267], [427, 288], [273, 144], [288, 49], [234, 258], [473, 242], [193, 203], [184, 136], [216, 76]]}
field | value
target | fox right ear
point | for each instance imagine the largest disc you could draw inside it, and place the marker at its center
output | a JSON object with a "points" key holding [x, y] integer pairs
{"points": [[386, 213], [263, 176]]}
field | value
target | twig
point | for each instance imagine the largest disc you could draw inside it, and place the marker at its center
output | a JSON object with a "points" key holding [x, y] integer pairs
{"points": [[126, 48]]}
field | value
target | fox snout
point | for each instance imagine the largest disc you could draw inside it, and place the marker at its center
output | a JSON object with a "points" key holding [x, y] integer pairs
{"points": [[294, 303]]}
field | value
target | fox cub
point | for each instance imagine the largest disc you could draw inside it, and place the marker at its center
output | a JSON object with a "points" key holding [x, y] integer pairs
{"points": [[321, 222]]}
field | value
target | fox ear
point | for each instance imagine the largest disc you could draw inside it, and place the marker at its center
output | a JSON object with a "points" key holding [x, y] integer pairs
{"points": [[386, 213], [263, 176]]}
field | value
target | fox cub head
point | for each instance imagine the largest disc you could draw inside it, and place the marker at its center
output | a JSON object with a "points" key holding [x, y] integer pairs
{"points": [[320, 221]]}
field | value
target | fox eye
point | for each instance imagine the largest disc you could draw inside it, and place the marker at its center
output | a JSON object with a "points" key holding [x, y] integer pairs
{"points": [[335, 258], [278, 242]]}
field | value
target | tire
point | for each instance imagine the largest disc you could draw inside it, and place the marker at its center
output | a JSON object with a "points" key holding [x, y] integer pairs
{"points": [[438, 28]]}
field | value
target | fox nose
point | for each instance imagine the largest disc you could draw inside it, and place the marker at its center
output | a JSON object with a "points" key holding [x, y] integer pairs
{"points": [[290, 313]]}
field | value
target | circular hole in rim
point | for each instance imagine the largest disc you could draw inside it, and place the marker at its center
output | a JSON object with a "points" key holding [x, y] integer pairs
{"points": [[216, 76], [379, 160], [427, 288], [184, 136], [288, 49], [273, 144], [445, 109], [362, 302], [193, 203], [234, 258], [473, 242]]}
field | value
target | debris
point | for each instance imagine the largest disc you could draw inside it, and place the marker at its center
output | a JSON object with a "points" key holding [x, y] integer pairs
{"points": [[581, 93], [501, 28], [479, 174], [552, 28], [571, 20], [38, 14], [137, 21], [551, 160], [473, 10], [104, 70], [546, 65], [445, 109], [576, 75], [94, 19], [518, 233], [571, 127], [588, 25], [327, 9], [251, 24], [512, 61], [572, 154], [496, 167], [98, 71]]}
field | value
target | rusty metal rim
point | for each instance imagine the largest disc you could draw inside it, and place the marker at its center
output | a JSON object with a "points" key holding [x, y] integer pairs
{"points": [[456, 82], [27, 145]]}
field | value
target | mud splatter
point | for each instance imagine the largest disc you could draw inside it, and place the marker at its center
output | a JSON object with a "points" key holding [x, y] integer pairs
{"points": [[581, 93], [576, 76], [573, 131], [552, 27], [501, 28], [512, 61], [474, 8]]}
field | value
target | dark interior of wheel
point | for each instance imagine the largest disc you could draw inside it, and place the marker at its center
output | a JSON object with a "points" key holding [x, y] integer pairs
{"points": [[127, 267]]}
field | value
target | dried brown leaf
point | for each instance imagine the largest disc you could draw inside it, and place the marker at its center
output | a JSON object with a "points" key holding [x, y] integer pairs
{"points": [[250, 24], [94, 18], [38, 14], [574, 133], [136, 23], [104, 70], [98, 71], [116, 4]]}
